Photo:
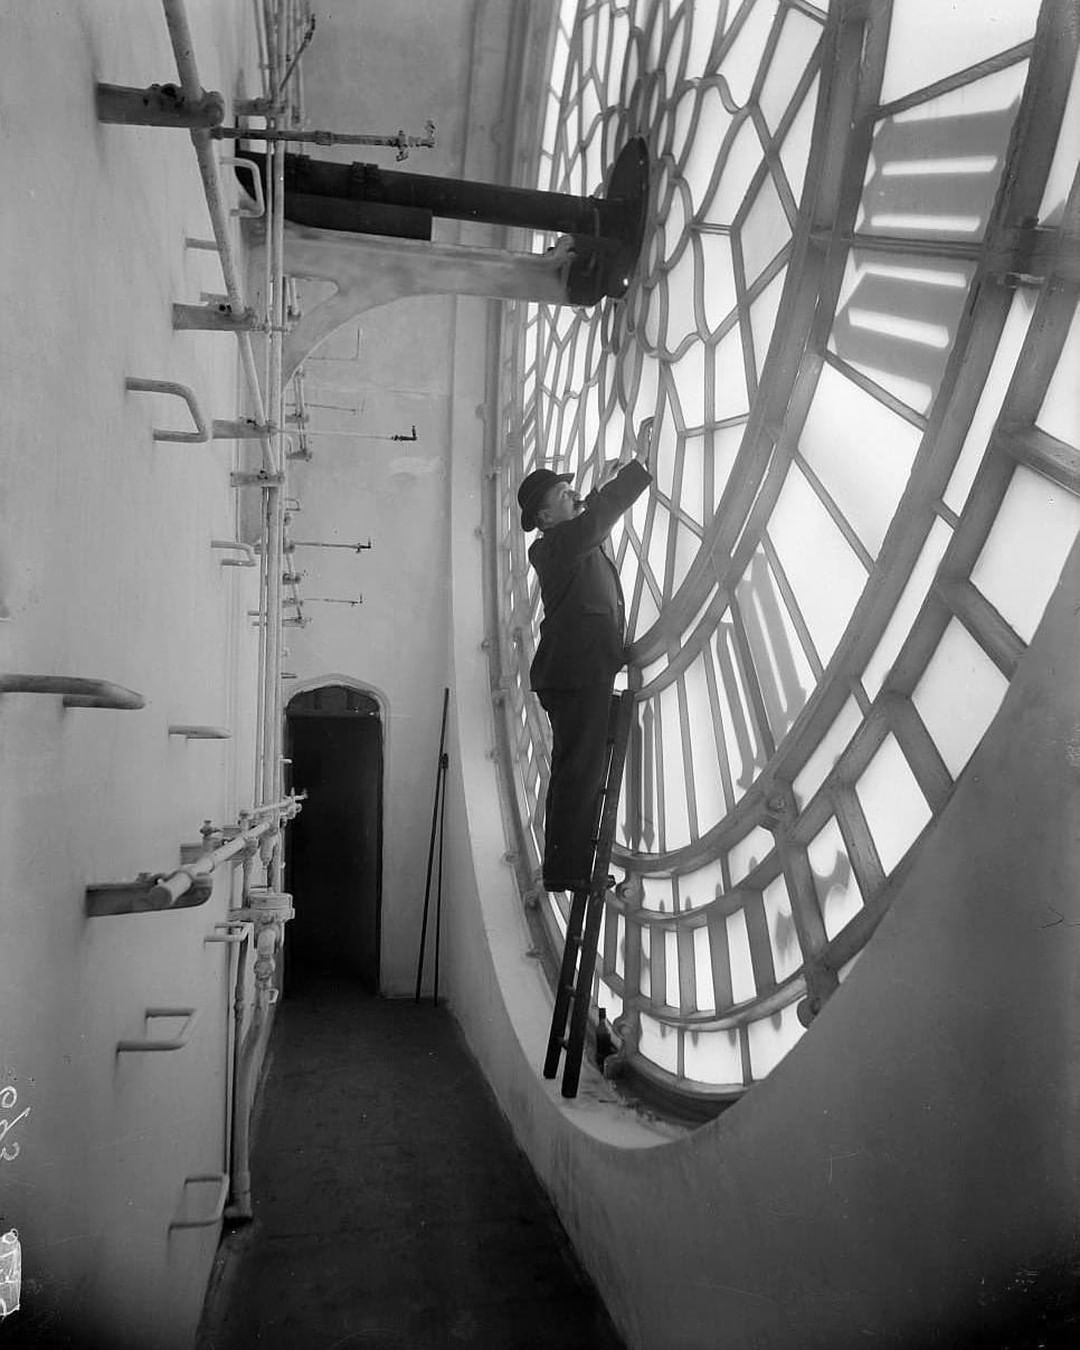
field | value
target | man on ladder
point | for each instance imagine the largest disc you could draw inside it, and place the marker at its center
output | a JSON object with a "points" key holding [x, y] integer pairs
{"points": [[573, 673], [581, 650]]}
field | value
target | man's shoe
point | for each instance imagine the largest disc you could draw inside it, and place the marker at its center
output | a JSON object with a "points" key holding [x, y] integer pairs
{"points": [[574, 884], [565, 884]]}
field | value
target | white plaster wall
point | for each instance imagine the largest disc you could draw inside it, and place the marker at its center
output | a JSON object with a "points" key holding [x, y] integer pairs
{"points": [[395, 494], [385, 68], [106, 571]]}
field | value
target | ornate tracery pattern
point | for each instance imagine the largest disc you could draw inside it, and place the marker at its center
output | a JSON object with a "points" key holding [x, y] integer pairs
{"points": [[848, 339]]}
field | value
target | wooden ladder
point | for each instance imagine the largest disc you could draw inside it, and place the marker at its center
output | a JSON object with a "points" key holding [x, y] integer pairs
{"points": [[574, 990]]}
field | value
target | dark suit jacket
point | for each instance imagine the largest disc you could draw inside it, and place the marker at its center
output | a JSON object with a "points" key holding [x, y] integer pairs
{"points": [[583, 631]]}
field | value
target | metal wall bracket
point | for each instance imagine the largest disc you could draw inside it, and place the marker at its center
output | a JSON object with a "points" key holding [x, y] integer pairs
{"points": [[135, 385], [136, 897], [144, 1044], [244, 428], [217, 1210], [214, 317], [257, 479], [76, 691], [160, 105]]}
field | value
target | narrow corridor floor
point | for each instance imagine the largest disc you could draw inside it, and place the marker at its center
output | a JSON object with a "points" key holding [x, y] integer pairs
{"points": [[392, 1208]]}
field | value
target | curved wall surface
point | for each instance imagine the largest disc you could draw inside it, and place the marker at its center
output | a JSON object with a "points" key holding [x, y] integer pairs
{"points": [[906, 1176]]}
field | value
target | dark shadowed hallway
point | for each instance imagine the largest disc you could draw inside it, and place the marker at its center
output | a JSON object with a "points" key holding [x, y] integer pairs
{"points": [[393, 1210]]}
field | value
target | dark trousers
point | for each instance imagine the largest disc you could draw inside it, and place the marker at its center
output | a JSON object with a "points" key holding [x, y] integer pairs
{"points": [[579, 732]]}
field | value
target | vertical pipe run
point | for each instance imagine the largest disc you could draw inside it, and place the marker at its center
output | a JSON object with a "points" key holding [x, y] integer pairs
{"points": [[184, 51], [267, 395]]}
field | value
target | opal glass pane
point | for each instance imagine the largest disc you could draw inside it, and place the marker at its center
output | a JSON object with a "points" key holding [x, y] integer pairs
{"points": [[658, 541], [824, 573], [746, 754], [1060, 411], [861, 451], [730, 398], [783, 671], [708, 785], [783, 939], [838, 893], [609, 1000], [713, 1057], [742, 969], [958, 695], [676, 808], [892, 802], [704, 18], [798, 38], [1021, 561], [680, 320], [897, 318], [683, 555], [658, 895], [725, 443], [692, 494], [1066, 156], [828, 750], [701, 887], [620, 946], [659, 1043], [748, 852], [704, 992], [796, 144], [991, 399], [718, 289], [907, 607], [647, 612], [671, 968], [930, 41], [645, 974], [698, 160], [740, 63], [744, 157], [914, 186], [764, 232], [689, 372], [771, 1038], [763, 313]]}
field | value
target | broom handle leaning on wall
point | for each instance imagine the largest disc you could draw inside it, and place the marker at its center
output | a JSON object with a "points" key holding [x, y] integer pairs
{"points": [[431, 845]]}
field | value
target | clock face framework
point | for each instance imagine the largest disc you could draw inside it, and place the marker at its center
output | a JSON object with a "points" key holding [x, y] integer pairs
{"points": [[849, 338]]}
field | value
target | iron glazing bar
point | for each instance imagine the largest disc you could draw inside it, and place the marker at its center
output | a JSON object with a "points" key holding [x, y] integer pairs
{"points": [[930, 770], [1045, 454], [838, 518], [957, 80], [859, 842], [761, 953], [876, 391], [720, 957], [984, 623], [689, 776], [751, 683]]}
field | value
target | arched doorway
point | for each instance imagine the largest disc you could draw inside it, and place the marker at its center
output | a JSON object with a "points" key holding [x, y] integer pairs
{"points": [[334, 738]]}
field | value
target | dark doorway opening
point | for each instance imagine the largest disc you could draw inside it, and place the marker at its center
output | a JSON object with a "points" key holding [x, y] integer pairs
{"points": [[334, 737]]}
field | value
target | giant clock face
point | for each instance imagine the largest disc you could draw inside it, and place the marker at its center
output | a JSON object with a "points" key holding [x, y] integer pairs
{"points": [[849, 338]]}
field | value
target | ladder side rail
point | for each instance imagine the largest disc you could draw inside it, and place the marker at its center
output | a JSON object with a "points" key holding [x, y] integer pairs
{"points": [[622, 715], [565, 989]]}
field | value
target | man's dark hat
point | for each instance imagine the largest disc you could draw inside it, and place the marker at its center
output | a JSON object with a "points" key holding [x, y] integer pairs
{"points": [[534, 488]]}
